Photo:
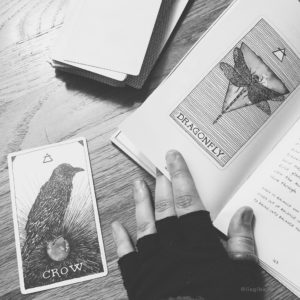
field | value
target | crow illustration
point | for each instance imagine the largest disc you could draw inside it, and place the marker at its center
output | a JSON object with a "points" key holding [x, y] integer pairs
{"points": [[47, 213], [51, 243]]}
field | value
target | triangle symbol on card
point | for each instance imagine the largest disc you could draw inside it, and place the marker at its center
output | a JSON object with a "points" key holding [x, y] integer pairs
{"points": [[280, 53], [47, 159]]}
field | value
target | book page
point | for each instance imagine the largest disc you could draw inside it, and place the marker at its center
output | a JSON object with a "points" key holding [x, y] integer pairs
{"points": [[273, 191], [240, 94], [225, 107], [217, 119]]}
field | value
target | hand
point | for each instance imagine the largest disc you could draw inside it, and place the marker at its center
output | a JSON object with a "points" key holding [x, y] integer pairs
{"points": [[179, 232]]}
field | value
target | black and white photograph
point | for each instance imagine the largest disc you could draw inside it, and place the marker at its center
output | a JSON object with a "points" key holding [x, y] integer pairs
{"points": [[149, 149]]}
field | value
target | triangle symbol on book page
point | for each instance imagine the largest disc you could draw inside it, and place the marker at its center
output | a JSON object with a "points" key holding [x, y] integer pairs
{"points": [[47, 159], [280, 53]]}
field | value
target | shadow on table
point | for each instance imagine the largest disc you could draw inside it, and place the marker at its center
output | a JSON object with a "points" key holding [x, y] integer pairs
{"points": [[125, 96]]}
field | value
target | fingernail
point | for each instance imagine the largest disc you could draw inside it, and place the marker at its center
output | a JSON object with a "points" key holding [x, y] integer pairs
{"points": [[138, 185], [247, 215], [171, 156]]}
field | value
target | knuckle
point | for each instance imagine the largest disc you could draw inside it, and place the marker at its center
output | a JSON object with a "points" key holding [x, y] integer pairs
{"points": [[145, 227], [243, 239], [184, 201], [162, 205]]}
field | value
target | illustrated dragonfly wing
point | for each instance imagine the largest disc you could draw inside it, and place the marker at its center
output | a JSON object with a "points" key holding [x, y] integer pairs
{"points": [[258, 67], [264, 106], [235, 98], [241, 66], [232, 75], [258, 93], [251, 82]]}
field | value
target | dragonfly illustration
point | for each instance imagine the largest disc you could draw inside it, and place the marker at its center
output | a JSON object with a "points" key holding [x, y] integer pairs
{"points": [[251, 82]]}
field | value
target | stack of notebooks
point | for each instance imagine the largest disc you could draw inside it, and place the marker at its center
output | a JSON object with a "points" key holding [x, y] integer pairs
{"points": [[115, 42], [232, 108]]}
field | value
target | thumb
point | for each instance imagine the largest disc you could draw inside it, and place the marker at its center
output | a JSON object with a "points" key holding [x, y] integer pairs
{"points": [[241, 244]]}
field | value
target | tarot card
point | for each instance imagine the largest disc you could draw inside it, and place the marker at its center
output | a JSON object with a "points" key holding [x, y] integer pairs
{"points": [[56, 222], [236, 98]]}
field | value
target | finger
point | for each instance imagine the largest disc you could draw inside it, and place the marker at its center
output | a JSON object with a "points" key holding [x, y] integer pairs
{"points": [[121, 239], [143, 209], [241, 244], [164, 204], [185, 194], [128, 262]]}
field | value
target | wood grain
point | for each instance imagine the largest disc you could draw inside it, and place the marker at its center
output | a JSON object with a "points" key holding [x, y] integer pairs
{"points": [[38, 106]]}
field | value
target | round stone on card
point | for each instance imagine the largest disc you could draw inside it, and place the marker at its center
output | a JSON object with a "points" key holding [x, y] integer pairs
{"points": [[58, 249]]}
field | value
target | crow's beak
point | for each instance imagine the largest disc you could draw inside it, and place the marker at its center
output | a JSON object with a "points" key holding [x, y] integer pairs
{"points": [[76, 170]]}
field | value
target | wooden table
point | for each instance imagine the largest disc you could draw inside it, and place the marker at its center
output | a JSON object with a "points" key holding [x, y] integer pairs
{"points": [[38, 106]]}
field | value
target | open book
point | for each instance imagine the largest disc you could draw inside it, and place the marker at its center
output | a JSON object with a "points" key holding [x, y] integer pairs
{"points": [[231, 108]]}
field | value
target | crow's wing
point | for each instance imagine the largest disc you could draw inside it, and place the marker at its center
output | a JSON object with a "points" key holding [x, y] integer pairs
{"points": [[38, 227], [47, 212], [258, 93], [232, 75], [35, 217], [240, 65]]}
